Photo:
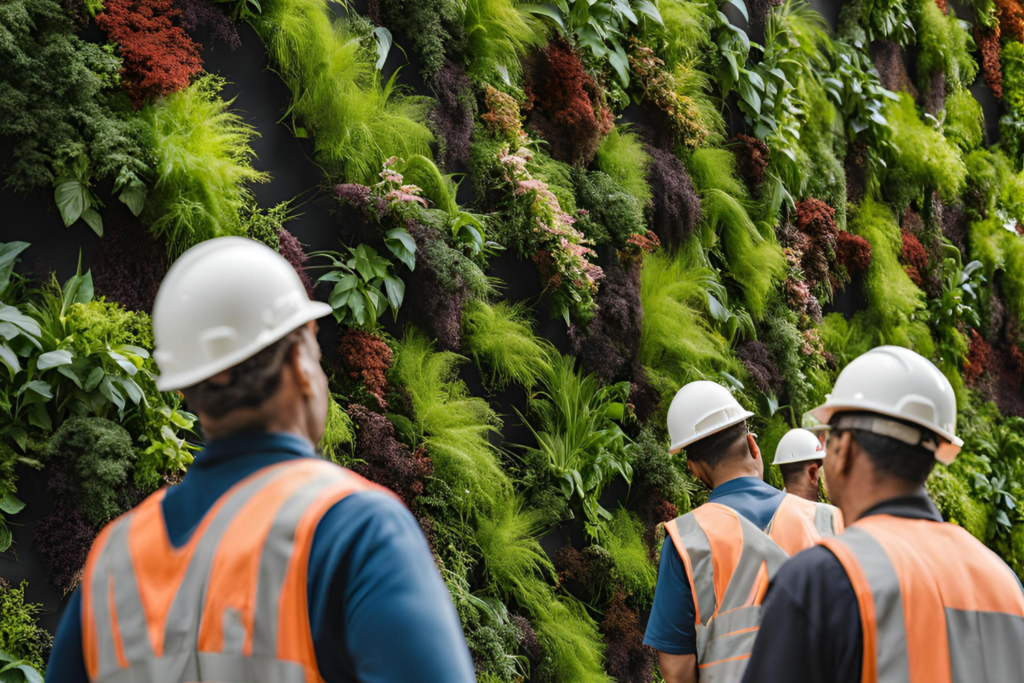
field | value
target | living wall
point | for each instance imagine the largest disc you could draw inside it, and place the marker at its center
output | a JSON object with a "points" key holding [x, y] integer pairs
{"points": [[534, 222]]}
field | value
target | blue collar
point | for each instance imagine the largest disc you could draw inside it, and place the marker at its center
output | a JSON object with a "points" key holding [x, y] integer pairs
{"points": [[248, 443], [741, 484]]}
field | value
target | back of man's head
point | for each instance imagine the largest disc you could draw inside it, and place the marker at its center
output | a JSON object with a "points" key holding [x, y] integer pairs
{"points": [[793, 472], [729, 446], [892, 458]]}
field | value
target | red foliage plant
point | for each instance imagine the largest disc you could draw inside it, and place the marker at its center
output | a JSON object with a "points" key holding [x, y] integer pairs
{"points": [[502, 118], [565, 104], [159, 56], [752, 156], [385, 460], [853, 252], [987, 40], [913, 257], [367, 358], [1011, 19], [979, 359]]}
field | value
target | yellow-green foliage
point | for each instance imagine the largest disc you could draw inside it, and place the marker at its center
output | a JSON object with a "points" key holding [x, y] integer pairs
{"points": [[356, 120], [686, 37], [754, 258], [203, 165], [337, 434], [943, 46], [924, 160], [677, 345], [818, 171], [501, 338], [498, 34], [895, 311], [454, 425], [633, 567], [998, 246], [622, 156], [20, 634], [957, 503], [964, 121]]}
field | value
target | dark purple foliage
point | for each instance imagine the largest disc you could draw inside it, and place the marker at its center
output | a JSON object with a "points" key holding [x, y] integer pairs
{"points": [[204, 15], [291, 249], [529, 642], [888, 58], [644, 398], [675, 208], [452, 116], [129, 264], [629, 660], [608, 347], [432, 297], [387, 461], [357, 212], [758, 361], [63, 539], [953, 220], [653, 509]]}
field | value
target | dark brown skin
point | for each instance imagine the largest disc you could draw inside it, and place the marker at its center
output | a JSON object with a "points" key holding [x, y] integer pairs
{"points": [[683, 668], [852, 483], [299, 406], [805, 483]]}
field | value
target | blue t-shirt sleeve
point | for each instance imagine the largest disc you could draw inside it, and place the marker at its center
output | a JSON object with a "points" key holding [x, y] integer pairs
{"points": [[67, 665], [374, 587], [671, 628]]}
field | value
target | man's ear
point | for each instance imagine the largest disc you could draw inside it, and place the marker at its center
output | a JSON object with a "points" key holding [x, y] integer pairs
{"points": [[814, 472], [755, 452], [304, 363]]}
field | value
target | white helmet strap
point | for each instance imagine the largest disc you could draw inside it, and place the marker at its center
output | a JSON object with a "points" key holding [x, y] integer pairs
{"points": [[890, 428]]}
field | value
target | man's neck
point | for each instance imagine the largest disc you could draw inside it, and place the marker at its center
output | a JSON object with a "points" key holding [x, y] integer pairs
{"points": [[728, 474], [868, 495], [803, 489]]}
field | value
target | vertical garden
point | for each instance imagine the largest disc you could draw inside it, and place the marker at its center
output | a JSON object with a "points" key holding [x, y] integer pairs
{"points": [[534, 222]]}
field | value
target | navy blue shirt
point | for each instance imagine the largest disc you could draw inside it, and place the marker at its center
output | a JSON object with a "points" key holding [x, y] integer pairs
{"points": [[810, 622], [671, 628], [378, 609]]}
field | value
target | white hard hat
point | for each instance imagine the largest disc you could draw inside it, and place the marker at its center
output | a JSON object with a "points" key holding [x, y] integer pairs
{"points": [[799, 445], [223, 301], [701, 409], [899, 383]]}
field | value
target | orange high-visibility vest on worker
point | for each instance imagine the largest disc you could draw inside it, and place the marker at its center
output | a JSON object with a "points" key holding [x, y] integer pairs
{"points": [[231, 604], [936, 605], [799, 523], [729, 563]]}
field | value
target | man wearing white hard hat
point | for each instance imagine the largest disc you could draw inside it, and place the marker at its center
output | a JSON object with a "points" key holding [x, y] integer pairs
{"points": [[717, 560], [900, 596], [266, 564]]}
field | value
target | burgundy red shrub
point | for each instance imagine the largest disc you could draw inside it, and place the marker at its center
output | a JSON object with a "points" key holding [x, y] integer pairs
{"points": [[385, 460], [366, 358], [159, 56]]}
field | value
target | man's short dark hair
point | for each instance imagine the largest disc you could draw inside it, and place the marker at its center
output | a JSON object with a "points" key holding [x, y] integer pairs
{"points": [[795, 470], [720, 447], [892, 457], [249, 384]]}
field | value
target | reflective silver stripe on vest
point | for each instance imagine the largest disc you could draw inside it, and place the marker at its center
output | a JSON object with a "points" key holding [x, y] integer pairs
{"points": [[725, 641], [696, 544], [893, 665], [985, 647], [181, 661], [207, 666], [824, 520]]}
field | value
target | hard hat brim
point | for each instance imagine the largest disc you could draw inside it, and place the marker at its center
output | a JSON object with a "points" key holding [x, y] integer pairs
{"points": [[313, 310], [817, 455], [946, 452], [680, 445]]}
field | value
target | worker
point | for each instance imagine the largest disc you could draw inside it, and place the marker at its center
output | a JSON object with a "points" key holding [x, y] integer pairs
{"points": [[901, 596], [716, 560], [799, 457], [266, 564]]}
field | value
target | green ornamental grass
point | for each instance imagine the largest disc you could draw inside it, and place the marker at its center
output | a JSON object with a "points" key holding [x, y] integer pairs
{"points": [[500, 338], [965, 121], [203, 166], [924, 159], [498, 34], [623, 157], [633, 567], [356, 119]]}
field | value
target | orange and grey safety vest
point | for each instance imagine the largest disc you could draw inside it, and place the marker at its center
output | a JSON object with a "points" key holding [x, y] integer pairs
{"points": [[936, 605], [729, 563], [230, 605], [799, 523]]}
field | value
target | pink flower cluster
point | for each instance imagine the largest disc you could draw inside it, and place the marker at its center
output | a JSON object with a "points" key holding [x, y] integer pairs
{"points": [[563, 257], [391, 186]]}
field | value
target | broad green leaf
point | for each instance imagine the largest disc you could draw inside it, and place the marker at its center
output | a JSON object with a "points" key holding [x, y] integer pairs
{"points": [[69, 372], [741, 6], [123, 362], [396, 291], [94, 379], [8, 255], [5, 537], [549, 11], [93, 219], [384, 42], [10, 504], [38, 387], [72, 198], [38, 417], [10, 359], [749, 95], [650, 9], [52, 359], [15, 317], [617, 58], [110, 391]]}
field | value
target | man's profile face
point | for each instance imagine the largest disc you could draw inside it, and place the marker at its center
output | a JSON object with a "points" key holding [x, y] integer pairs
{"points": [[836, 451]]}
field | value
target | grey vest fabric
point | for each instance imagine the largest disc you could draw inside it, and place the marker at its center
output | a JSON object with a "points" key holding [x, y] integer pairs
{"points": [[728, 628], [181, 662]]}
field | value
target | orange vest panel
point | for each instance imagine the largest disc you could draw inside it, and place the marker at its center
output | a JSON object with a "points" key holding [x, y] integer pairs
{"points": [[799, 524]]}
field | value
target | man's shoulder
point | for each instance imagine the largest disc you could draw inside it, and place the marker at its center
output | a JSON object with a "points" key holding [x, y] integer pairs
{"points": [[813, 572]]}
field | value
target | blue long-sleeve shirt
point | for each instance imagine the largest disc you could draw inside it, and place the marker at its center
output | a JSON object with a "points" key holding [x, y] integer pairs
{"points": [[378, 609]]}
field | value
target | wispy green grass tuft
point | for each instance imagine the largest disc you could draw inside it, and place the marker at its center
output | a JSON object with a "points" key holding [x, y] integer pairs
{"points": [[498, 33], [622, 156], [501, 337], [203, 166]]}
